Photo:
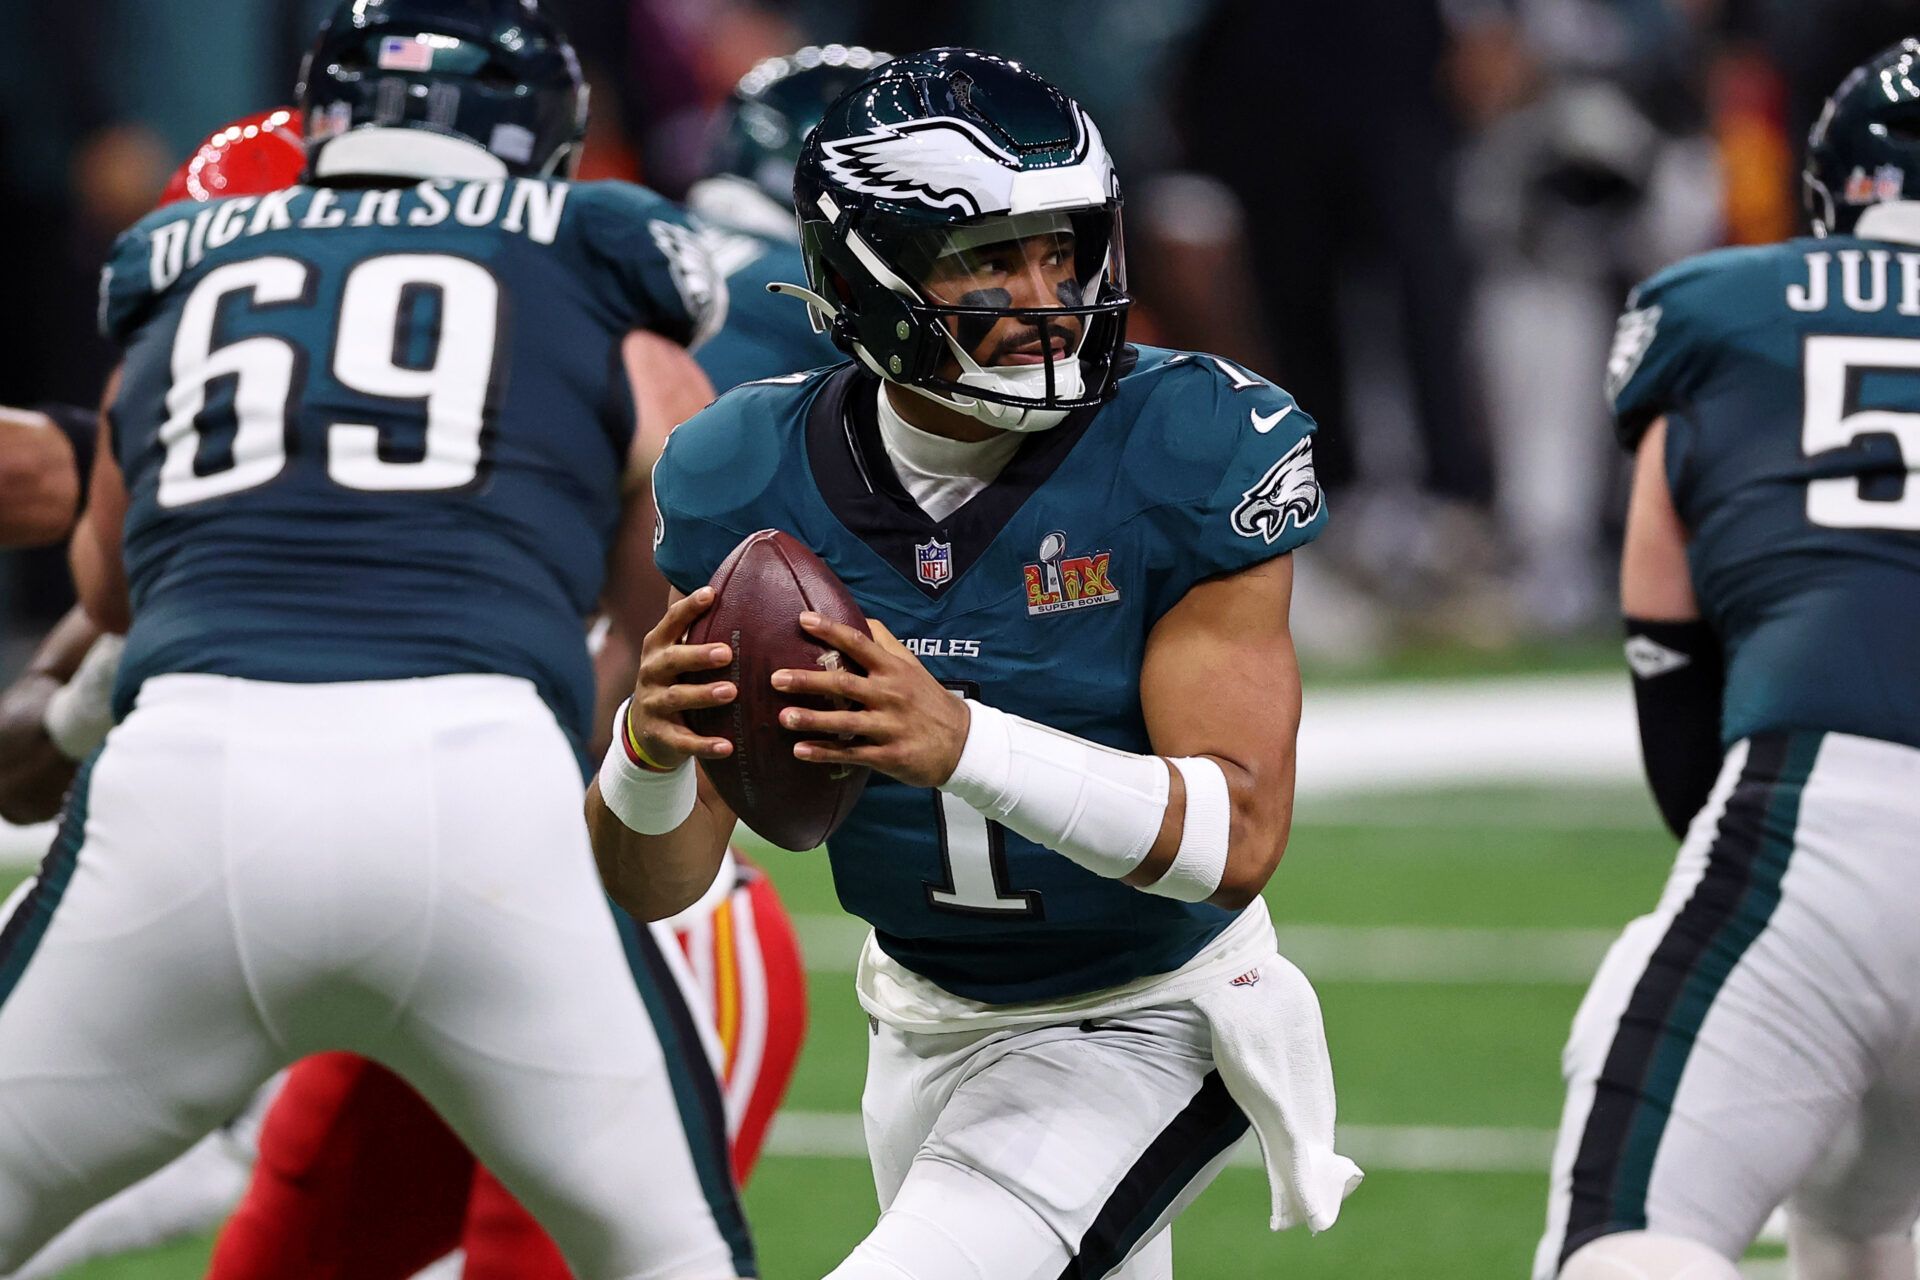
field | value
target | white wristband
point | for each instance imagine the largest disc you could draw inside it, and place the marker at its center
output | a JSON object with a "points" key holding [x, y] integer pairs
{"points": [[1100, 807], [646, 800], [1201, 862], [81, 710]]}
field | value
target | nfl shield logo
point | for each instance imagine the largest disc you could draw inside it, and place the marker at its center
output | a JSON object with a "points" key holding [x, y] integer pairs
{"points": [[933, 562]]}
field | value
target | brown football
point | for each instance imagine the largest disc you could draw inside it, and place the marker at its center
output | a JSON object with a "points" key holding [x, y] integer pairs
{"points": [[759, 593]]}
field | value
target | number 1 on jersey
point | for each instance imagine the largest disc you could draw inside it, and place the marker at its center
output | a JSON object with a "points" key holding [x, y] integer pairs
{"points": [[973, 851]]}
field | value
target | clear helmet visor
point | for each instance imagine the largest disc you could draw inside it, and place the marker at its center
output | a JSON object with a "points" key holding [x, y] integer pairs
{"points": [[998, 280]]}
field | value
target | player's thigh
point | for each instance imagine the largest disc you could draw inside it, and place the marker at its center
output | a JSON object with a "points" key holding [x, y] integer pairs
{"points": [[127, 1030], [1867, 1182], [550, 1033], [909, 1078], [1716, 1053], [1105, 1130], [596, 1108]]}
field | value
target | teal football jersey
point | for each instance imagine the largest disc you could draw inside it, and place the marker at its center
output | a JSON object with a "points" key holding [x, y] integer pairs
{"points": [[373, 434], [1789, 377], [1036, 597], [765, 334]]}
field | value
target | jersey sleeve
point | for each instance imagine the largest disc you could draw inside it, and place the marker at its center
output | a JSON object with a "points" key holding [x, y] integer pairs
{"points": [[1663, 346], [654, 258], [1242, 450], [697, 511], [126, 284]]}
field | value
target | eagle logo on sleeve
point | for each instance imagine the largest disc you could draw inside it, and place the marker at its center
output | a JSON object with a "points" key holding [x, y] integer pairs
{"points": [[1288, 495], [701, 286], [1631, 341]]}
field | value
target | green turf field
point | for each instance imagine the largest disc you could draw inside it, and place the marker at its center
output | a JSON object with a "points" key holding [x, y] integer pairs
{"points": [[1448, 935]]}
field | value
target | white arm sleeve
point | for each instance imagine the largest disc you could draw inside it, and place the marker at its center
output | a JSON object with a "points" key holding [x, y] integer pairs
{"points": [[1100, 807]]}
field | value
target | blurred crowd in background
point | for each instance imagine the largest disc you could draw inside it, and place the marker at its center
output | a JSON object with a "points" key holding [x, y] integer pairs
{"points": [[1419, 216]]}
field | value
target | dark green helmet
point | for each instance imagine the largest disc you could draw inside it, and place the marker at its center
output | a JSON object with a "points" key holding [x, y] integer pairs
{"points": [[399, 87], [1865, 148], [759, 130], [954, 164]]}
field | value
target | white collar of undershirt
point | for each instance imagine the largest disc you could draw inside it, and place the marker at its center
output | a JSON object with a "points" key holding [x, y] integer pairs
{"points": [[1896, 220], [941, 473]]}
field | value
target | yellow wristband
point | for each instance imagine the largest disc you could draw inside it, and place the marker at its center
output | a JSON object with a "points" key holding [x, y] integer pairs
{"points": [[635, 752]]}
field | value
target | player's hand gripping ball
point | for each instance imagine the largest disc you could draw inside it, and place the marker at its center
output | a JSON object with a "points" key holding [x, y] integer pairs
{"points": [[893, 715], [759, 593]]}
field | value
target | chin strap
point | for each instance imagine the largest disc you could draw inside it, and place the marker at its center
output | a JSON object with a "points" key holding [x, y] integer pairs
{"points": [[1006, 417], [820, 312]]}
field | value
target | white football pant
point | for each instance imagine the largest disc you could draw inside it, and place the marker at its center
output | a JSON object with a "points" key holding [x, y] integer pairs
{"points": [[1756, 1040], [1036, 1153], [249, 873]]}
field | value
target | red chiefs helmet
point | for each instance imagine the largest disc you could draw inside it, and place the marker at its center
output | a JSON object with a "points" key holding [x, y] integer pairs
{"points": [[250, 157]]}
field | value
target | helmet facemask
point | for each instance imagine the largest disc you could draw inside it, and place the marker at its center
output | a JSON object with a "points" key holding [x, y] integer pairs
{"points": [[1010, 298], [1012, 319]]}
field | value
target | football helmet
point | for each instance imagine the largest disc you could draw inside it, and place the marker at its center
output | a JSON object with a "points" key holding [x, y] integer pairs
{"points": [[250, 157], [940, 173], [459, 89], [1865, 148], [759, 129]]}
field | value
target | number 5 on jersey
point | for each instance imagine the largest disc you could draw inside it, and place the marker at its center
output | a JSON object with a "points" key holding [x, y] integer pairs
{"points": [[379, 300]]}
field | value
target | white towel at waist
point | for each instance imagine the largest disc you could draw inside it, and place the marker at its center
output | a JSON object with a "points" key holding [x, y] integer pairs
{"points": [[1268, 1043], [1271, 1051]]}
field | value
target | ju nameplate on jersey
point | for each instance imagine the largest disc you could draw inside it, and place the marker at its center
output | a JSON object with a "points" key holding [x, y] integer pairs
{"points": [[1789, 377], [1037, 597], [334, 374]]}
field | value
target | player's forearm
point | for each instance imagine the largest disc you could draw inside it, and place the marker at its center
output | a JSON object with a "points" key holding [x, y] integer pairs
{"points": [[1164, 825], [52, 716], [39, 482], [1260, 816], [653, 877], [34, 775]]}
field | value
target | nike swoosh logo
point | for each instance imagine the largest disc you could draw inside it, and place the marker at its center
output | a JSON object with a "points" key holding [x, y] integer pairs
{"points": [[1266, 424]]}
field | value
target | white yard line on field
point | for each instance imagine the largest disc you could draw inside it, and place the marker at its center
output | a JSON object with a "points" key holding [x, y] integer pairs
{"points": [[1543, 729], [1331, 953], [1524, 731]]}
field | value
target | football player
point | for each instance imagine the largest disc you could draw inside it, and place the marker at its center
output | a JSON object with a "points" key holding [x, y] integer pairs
{"points": [[1082, 743], [1751, 1041], [372, 433]]}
